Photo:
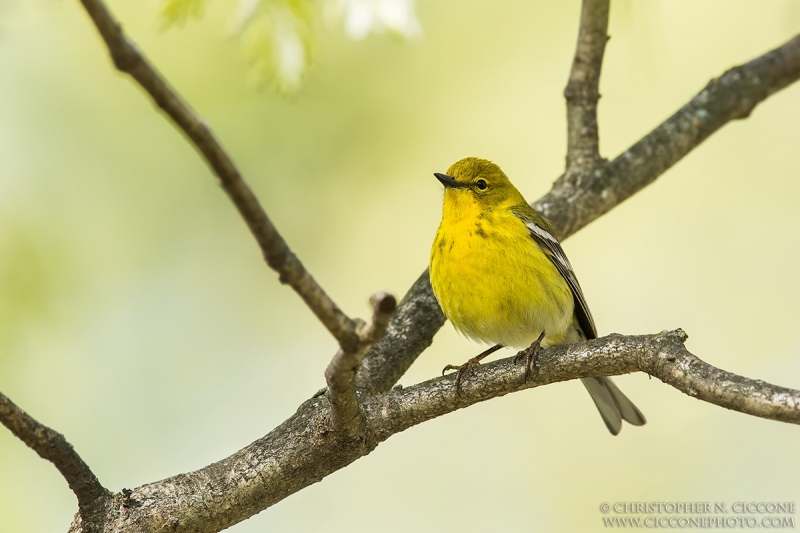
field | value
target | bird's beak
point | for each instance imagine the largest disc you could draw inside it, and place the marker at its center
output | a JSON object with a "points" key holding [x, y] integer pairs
{"points": [[449, 182]]}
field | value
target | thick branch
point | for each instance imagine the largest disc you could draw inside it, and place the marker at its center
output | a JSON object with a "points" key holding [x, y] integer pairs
{"points": [[583, 88], [302, 450], [347, 418], [52, 446], [572, 206], [276, 252], [410, 332]]}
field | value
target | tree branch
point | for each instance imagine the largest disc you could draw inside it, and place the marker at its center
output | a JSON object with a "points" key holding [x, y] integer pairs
{"points": [[731, 96], [276, 252], [571, 206], [583, 89], [52, 446], [410, 332], [302, 451], [347, 417], [662, 355]]}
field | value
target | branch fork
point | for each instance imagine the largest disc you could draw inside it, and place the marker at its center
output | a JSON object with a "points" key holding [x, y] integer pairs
{"points": [[52, 446], [340, 375]]}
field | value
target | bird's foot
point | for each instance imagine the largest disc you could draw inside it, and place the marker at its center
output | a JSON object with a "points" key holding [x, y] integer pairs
{"points": [[531, 353], [469, 365]]}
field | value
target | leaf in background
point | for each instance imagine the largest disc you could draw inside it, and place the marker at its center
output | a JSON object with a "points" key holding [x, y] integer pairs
{"points": [[278, 38], [278, 35], [362, 17], [178, 12]]}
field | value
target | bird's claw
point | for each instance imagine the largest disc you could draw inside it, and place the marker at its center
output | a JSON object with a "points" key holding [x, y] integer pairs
{"points": [[531, 353], [461, 369]]}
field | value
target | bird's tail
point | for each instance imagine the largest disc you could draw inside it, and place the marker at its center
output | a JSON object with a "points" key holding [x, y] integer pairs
{"points": [[614, 406]]}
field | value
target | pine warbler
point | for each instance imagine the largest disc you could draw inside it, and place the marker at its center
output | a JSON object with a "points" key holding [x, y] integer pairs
{"points": [[502, 278]]}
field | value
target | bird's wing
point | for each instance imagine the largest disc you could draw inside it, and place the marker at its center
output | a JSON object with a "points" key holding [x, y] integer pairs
{"points": [[540, 232]]}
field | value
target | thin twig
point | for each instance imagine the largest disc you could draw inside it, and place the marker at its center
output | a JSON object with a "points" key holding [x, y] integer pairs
{"points": [[276, 252], [583, 89], [301, 452], [346, 415], [52, 446]]}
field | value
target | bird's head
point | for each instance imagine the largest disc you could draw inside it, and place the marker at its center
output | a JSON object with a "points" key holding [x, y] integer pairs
{"points": [[474, 183]]}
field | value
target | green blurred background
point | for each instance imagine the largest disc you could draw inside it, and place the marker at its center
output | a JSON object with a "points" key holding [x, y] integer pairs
{"points": [[137, 317]]}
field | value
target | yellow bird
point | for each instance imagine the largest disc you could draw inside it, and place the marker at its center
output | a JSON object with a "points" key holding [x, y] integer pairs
{"points": [[502, 278]]}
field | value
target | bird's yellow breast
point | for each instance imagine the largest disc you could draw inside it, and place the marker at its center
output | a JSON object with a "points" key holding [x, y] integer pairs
{"points": [[492, 280]]}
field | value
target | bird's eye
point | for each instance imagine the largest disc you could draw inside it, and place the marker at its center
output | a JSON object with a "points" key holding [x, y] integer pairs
{"points": [[481, 184]]}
